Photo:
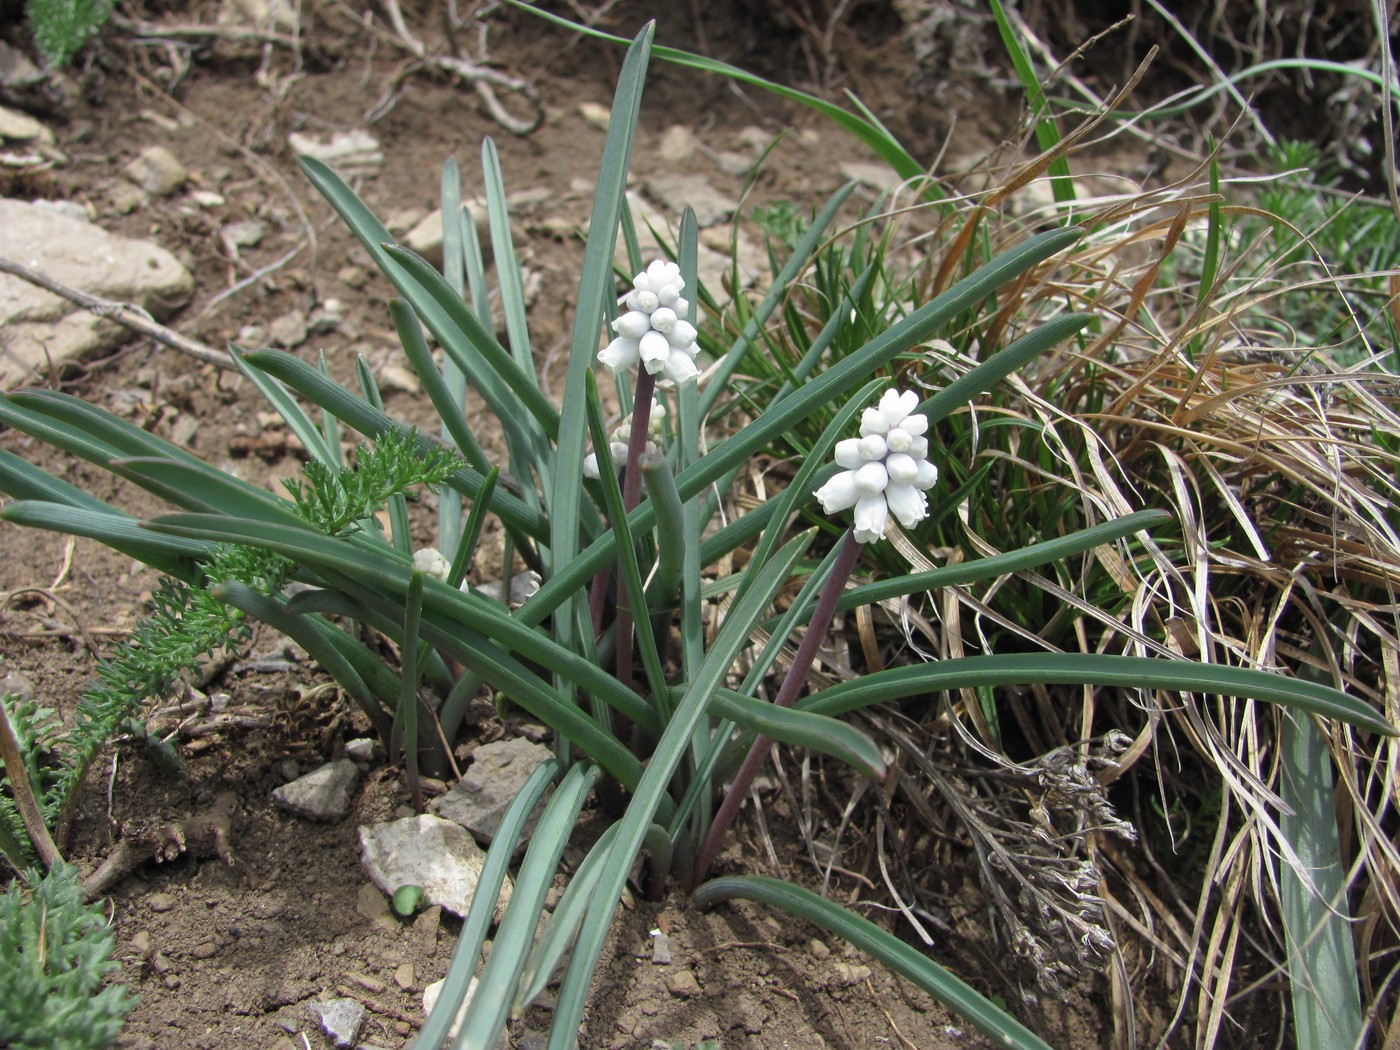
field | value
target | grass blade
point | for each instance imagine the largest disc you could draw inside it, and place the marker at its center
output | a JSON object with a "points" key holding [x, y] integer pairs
{"points": [[996, 1024], [1127, 672]]}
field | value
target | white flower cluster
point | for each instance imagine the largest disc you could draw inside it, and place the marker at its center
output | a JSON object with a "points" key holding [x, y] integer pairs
{"points": [[886, 468], [617, 446], [431, 562], [652, 330]]}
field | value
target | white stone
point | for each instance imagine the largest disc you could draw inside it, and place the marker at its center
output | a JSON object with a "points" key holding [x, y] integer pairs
{"points": [[497, 772], [341, 1019], [37, 327], [261, 14], [323, 794], [433, 993], [595, 115], [425, 237], [677, 144], [21, 127], [431, 852], [157, 171], [347, 151], [675, 192], [288, 330]]}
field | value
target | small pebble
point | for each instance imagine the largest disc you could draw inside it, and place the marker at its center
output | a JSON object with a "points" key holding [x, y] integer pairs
{"points": [[682, 984], [851, 973], [818, 949], [660, 948], [205, 950], [160, 902], [595, 115], [403, 976], [172, 981]]}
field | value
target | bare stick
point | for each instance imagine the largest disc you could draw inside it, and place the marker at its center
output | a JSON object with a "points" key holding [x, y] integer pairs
{"points": [[203, 834], [124, 314], [25, 802]]}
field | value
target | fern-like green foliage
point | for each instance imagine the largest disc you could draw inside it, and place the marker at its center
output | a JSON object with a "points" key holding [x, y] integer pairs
{"points": [[56, 952], [185, 626], [335, 501], [61, 27]]}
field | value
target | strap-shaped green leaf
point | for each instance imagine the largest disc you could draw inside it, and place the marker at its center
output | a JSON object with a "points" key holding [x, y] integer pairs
{"points": [[996, 1024], [171, 555], [21, 480], [483, 908], [1130, 672], [371, 422], [733, 636], [829, 736], [495, 991], [198, 486]]}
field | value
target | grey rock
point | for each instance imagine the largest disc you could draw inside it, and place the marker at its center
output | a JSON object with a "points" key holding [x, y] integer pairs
{"points": [[289, 330], [847, 974], [431, 852], [349, 152], [497, 772], [323, 794], [261, 14], [361, 749], [433, 993], [425, 236], [341, 1019], [595, 115], [157, 171], [17, 685], [238, 235], [21, 127], [38, 327], [677, 144], [660, 948], [123, 198], [675, 192], [682, 984], [875, 175]]}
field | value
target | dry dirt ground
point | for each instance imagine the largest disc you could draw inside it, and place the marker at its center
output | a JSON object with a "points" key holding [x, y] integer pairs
{"points": [[230, 956]]}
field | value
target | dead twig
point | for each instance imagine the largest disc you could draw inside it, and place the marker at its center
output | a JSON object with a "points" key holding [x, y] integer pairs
{"points": [[29, 810], [124, 314], [203, 835]]}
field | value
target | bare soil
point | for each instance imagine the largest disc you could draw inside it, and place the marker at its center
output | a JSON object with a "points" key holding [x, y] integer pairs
{"points": [[230, 956]]}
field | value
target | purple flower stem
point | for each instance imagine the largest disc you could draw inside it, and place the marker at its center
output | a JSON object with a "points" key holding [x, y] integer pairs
{"points": [[802, 662]]}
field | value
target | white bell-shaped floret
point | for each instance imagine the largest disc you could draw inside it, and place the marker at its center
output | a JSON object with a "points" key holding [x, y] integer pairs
{"points": [[632, 325]]}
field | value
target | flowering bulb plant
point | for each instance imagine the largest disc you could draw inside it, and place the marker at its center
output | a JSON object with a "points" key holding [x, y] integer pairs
{"points": [[615, 651], [885, 470]]}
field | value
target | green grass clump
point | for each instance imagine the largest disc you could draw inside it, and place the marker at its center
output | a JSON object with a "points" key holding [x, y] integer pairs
{"points": [[56, 952], [62, 27]]}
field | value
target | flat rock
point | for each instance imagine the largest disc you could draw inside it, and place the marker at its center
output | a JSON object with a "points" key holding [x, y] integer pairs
{"points": [[21, 127], [262, 14], [425, 235], [497, 772], [341, 1019], [38, 327], [157, 171], [431, 852], [349, 152], [682, 984], [433, 993], [323, 794], [676, 192], [677, 144], [871, 173], [289, 330]]}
